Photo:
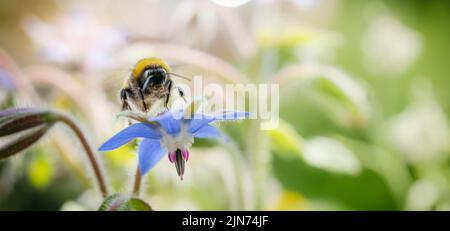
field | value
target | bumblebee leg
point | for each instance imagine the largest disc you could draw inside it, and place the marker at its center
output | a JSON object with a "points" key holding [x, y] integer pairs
{"points": [[123, 97], [169, 88], [143, 101]]}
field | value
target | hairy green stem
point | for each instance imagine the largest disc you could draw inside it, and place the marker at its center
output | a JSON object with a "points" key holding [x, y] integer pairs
{"points": [[236, 158], [137, 182], [258, 157], [257, 146]]}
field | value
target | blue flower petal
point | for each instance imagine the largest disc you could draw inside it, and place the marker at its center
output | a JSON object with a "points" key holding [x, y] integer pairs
{"points": [[208, 131], [126, 135], [199, 120], [170, 121], [150, 152]]}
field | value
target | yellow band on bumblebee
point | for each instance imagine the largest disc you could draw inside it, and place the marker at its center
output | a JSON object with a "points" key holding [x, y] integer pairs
{"points": [[143, 64]]}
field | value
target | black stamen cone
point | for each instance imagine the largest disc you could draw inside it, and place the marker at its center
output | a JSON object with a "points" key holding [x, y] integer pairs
{"points": [[179, 163]]}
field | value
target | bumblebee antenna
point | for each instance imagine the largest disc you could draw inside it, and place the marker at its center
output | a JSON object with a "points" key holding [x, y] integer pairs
{"points": [[180, 76]]}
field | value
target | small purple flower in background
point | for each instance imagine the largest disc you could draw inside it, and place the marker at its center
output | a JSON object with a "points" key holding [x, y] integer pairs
{"points": [[7, 85], [6, 81], [172, 133]]}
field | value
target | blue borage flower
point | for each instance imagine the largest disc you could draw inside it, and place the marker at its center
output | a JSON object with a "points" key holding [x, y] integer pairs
{"points": [[172, 133]]}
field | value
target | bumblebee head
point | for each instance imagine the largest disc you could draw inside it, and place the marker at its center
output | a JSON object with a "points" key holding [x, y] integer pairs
{"points": [[150, 72]]}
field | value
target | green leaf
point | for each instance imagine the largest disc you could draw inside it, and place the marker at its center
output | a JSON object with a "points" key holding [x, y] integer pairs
{"points": [[386, 163], [330, 88], [342, 97], [365, 191], [331, 155], [120, 202], [286, 139]]}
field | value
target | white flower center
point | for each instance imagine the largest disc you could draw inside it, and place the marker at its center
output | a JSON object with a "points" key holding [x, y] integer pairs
{"points": [[182, 140]]}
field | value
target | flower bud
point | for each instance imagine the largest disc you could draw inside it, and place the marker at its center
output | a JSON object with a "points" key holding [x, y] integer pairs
{"points": [[22, 142], [18, 120], [30, 125]]}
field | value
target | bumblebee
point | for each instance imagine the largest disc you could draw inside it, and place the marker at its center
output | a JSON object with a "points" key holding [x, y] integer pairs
{"points": [[149, 81]]}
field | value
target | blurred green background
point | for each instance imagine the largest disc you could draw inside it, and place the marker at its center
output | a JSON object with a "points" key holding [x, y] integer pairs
{"points": [[364, 101]]}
